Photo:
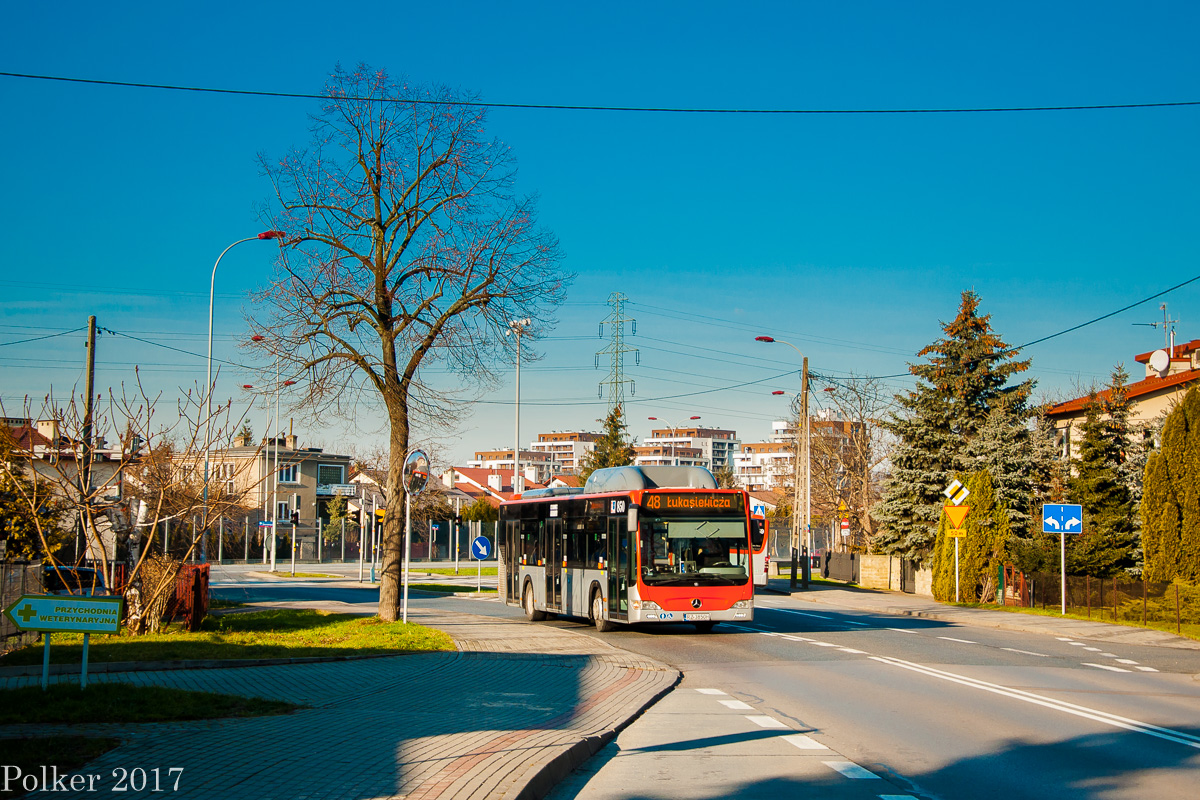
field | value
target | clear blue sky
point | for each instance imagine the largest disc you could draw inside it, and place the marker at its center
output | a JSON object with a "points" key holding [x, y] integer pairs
{"points": [[850, 236]]}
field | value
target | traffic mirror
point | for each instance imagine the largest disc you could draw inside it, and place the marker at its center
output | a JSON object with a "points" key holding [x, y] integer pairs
{"points": [[416, 472]]}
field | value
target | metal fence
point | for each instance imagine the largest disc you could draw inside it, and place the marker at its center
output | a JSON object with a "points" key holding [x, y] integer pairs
{"points": [[1108, 599], [16, 580]]}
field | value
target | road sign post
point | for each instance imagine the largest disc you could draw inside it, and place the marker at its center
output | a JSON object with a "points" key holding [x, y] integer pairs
{"points": [[956, 514], [1062, 519], [480, 549], [54, 613]]}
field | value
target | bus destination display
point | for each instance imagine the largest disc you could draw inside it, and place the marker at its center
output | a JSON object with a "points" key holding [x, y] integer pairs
{"points": [[693, 503]]}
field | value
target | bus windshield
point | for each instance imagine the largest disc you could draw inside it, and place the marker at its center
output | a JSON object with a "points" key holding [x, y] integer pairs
{"points": [[682, 546]]}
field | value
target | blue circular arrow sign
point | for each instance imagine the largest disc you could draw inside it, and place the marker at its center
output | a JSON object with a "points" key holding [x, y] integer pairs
{"points": [[481, 548]]}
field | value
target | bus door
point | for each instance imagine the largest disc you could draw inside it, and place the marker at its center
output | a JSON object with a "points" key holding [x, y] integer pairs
{"points": [[512, 536], [620, 566], [554, 558], [758, 549]]}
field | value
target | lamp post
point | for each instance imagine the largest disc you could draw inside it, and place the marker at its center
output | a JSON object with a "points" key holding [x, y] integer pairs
{"points": [[674, 428], [807, 472], [212, 285], [518, 327]]}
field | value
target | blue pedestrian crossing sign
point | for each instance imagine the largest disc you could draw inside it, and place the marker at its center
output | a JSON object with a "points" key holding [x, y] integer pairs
{"points": [[481, 548], [1062, 518]]}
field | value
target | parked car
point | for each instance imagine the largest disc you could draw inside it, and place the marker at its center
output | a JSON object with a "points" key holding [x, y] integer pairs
{"points": [[83, 581]]}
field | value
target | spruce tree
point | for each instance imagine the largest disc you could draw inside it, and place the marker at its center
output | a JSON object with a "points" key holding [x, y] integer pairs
{"points": [[966, 375], [612, 449], [1108, 542], [1003, 447]]}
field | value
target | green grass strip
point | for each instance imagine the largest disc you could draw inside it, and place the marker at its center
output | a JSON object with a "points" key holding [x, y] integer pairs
{"points": [[123, 702], [271, 633]]}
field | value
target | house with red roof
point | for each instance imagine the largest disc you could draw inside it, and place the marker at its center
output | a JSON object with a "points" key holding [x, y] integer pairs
{"points": [[493, 485], [1169, 374]]}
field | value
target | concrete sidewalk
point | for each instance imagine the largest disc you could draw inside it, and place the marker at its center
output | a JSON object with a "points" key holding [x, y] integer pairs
{"points": [[513, 711], [909, 605]]}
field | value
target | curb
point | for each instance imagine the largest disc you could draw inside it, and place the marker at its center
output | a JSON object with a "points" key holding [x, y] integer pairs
{"points": [[560, 766]]}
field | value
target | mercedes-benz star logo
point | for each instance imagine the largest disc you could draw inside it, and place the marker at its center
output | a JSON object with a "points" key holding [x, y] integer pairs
{"points": [[696, 603]]}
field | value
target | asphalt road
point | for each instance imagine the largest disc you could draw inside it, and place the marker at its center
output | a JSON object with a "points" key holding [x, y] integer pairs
{"points": [[883, 707]]}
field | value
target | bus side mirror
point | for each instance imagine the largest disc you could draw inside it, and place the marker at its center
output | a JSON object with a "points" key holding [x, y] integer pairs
{"points": [[631, 521]]}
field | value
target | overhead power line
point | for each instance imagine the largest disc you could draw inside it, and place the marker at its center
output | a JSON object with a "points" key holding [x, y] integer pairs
{"points": [[622, 109]]}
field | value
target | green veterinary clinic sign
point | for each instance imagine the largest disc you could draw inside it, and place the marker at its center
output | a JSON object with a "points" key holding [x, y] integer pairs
{"points": [[51, 613]]}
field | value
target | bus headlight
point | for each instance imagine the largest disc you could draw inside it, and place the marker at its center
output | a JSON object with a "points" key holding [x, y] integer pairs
{"points": [[743, 604], [646, 605]]}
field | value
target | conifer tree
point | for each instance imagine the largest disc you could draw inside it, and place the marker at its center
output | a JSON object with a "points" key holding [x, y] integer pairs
{"points": [[31, 514], [942, 563], [1171, 502], [980, 550], [612, 449], [1029, 548], [1109, 541], [967, 374]]}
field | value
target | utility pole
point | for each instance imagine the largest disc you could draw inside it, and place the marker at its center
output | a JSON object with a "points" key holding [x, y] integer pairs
{"points": [[807, 476], [84, 471]]}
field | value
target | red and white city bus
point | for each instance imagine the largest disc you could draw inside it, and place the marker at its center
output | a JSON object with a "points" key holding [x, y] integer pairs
{"points": [[636, 544]]}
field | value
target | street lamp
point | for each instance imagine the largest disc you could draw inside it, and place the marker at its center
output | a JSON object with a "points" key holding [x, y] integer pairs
{"points": [[518, 327], [212, 285], [674, 428], [807, 472]]}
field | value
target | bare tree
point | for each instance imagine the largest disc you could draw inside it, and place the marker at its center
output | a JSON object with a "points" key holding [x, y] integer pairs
{"points": [[848, 452], [114, 497], [407, 246]]}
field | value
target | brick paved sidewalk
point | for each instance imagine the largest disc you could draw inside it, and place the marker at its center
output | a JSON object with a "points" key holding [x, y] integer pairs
{"points": [[513, 711]]}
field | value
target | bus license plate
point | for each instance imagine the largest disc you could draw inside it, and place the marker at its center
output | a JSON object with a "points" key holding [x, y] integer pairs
{"points": [[695, 617]]}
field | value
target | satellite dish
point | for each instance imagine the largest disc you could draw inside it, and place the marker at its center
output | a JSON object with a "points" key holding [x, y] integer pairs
{"points": [[1160, 362]]}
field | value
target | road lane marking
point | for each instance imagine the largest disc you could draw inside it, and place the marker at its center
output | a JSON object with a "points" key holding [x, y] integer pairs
{"points": [[824, 644], [1048, 702], [710, 691], [1146, 669], [1026, 652], [1063, 638], [901, 630], [1126, 661], [1077, 644], [1092, 649], [804, 742], [1108, 667], [1108, 655], [766, 722], [737, 705], [952, 639], [852, 650], [851, 770], [825, 617]]}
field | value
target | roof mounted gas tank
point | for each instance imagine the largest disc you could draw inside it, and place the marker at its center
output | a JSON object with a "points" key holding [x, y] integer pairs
{"points": [[622, 479]]}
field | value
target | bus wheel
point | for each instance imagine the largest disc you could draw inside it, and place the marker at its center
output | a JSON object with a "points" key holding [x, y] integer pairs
{"points": [[531, 612], [704, 627], [602, 625]]}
